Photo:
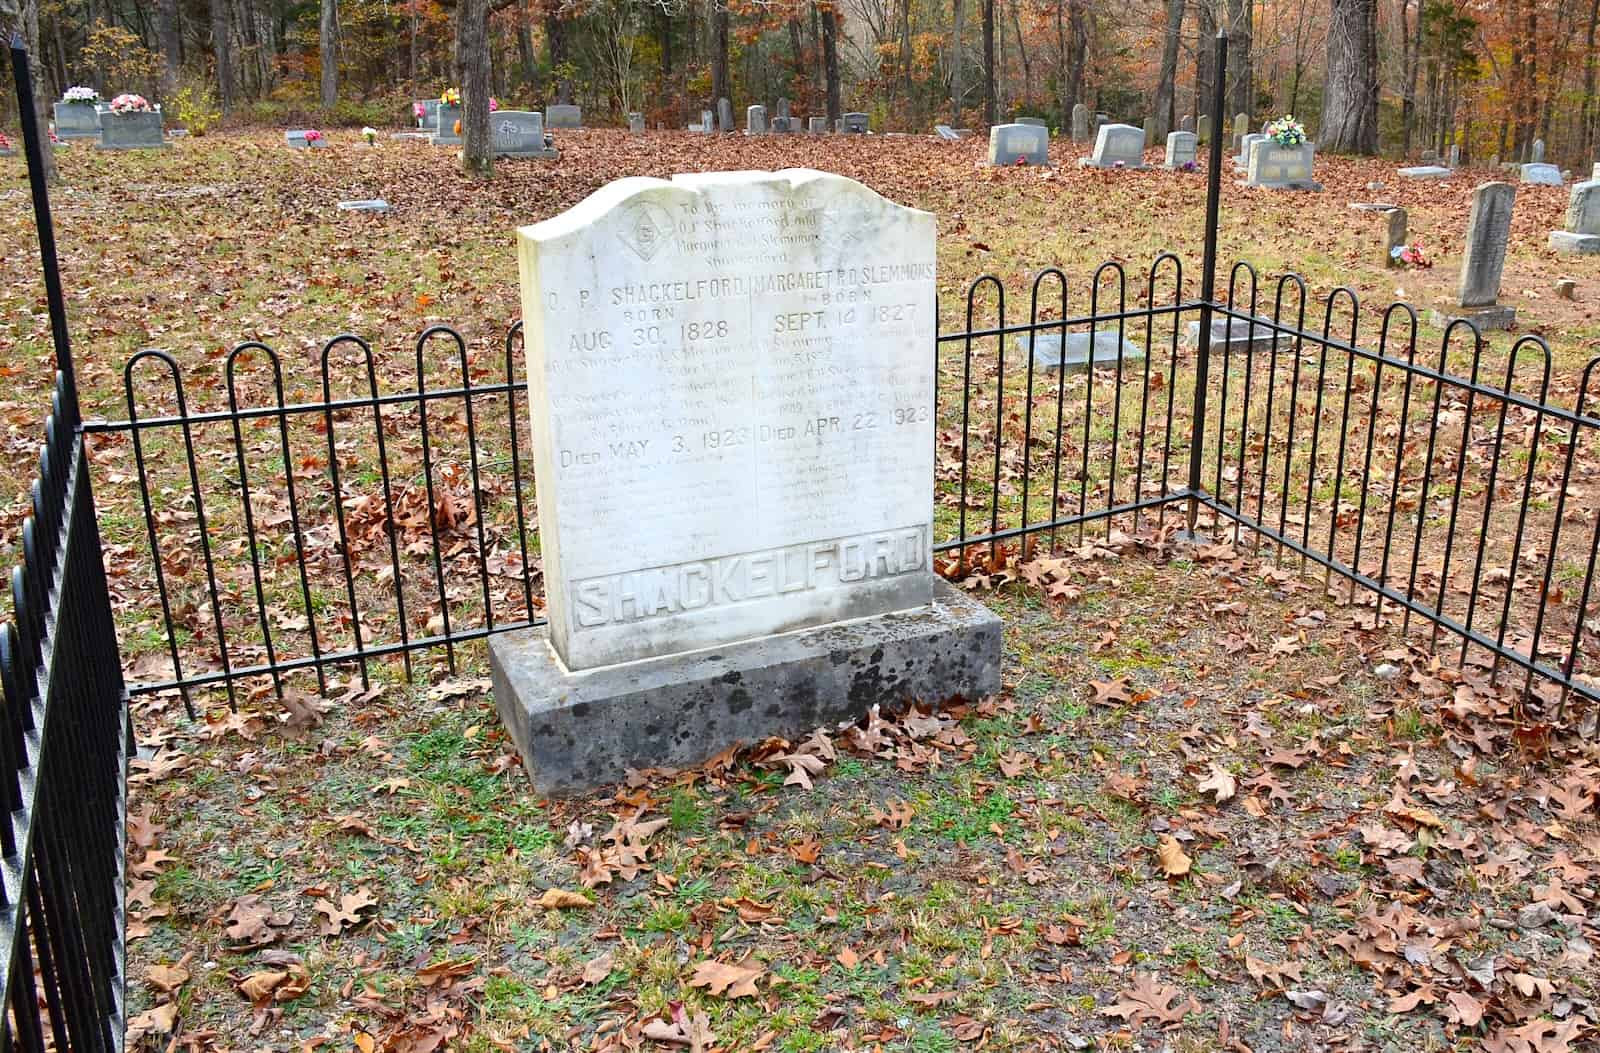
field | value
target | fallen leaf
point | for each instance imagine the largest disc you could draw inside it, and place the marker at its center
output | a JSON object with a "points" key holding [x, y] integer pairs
{"points": [[1174, 862], [561, 899], [726, 979]]}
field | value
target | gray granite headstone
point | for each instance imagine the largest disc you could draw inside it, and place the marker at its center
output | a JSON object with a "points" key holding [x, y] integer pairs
{"points": [[708, 123], [558, 115], [755, 120], [429, 121], [1541, 174], [1011, 144], [1488, 231], [1117, 146], [855, 123], [78, 120], [1280, 167], [1394, 235], [1202, 128], [1430, 157], [783, 109], [1537, 156], [520, 133], [1239, 334], [724, 116], [1246, 142], [818, 126], [1181, 149], [635, 124], [1455, 155], [445, 134], [1107, 349], [1583, 221], [1080, 123], [131, 131]]}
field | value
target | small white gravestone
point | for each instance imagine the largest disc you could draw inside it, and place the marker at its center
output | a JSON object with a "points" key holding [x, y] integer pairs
{"points": [[1246, 144], [1117, 146], [731, 382], [1583, 221], [755, 120], [1011, 144], [1541, 174], [1181, 149]]}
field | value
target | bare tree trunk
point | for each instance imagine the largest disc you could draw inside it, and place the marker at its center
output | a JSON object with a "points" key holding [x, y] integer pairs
{"points": [[222, 49], [991, 111], [955, 65], [472, 51], [1204, 67], [719, 51], [170, 33], [555, 32], [1586, 130], [23, 15], [1350, 96], [905, 49], [1411, 40], [830, 62], [1241, 77], [1166, 85], [1022, 51], [329, 53], [411, 67]]}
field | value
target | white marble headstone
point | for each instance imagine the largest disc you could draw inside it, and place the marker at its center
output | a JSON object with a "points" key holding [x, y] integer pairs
{"points": [[731, 381]]}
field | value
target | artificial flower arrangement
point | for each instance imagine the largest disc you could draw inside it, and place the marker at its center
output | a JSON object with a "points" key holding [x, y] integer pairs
{"points": [[1189, 166], [494, 104], [1286, 131], [370, 134], [81, 96], [130, 103], [450, 97], [1411, 256], [418, 110], [313, 136], [5, 144]]}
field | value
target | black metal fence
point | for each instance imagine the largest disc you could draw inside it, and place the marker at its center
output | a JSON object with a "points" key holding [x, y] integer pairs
{"points": [[64, 738]]}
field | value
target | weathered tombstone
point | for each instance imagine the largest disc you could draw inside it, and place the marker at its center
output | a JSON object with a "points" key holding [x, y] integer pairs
{"points": [[734, 457], [561, 115], [818, 126], [1454, 155], [140, 130], [944, 131], [1094, 125], [1186, 123], [78, 120], [1541, 174], [1430, 157], [1594, 173], [1080, 123], [1037, 122], [1099, 350], [635, 124], [520, 133], [1116, 146], [724, 115], [783, 109], [1149, 128], [1424, 172], [296, 138], [1011, 144], [854, 123], [1181, 149], [1241, 128], [1202, 128], [1252, 335], [1246, 142], [445, 133], [708, 123], [1394, 235], [1583, 221], [1488, 230], [755, 120], [375, 204], [1278, 167], [1537, 156]]}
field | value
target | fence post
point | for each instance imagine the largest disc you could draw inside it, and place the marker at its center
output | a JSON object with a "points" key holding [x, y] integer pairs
{"points": [[1208, 277], [33, 148]]}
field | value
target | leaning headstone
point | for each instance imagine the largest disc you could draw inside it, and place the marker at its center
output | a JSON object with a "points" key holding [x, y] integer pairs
{"points": [[296, 138], [1582, 233], [1116, 146], [1099, 350], [445, 134], [818, 126], [755, 120], [635, 124], [78, 120], [737, 541], [520, 133], [1202, 128], [1037, 122], [1488, 231], [1011, 144], [855, 123], [1424, 172], [1080, 123], [1181, 149], [1186, 123], [1454, 156], [131, 131], [560, 115], [1541, 174], [1278, 167], [1537, 155], [1394, 235]]}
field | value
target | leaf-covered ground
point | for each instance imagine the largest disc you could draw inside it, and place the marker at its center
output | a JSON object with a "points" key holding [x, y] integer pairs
{"points": [[1212, 808]]}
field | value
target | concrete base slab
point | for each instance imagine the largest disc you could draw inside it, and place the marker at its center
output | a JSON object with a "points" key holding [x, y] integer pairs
{"points": [[1574, 244], [1237, 334], [1495, 316], [1426, 172], [577, 731], [1047, 352]]}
